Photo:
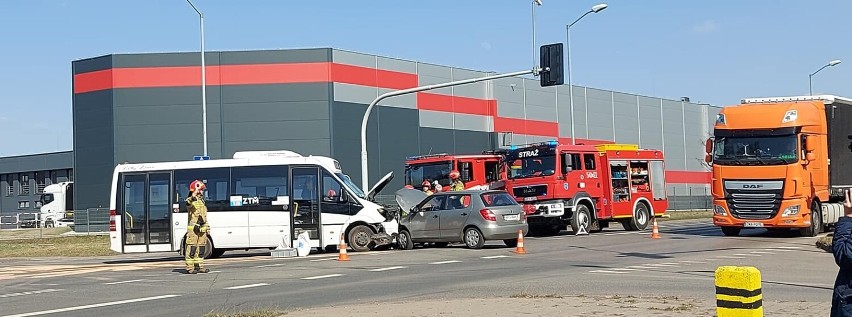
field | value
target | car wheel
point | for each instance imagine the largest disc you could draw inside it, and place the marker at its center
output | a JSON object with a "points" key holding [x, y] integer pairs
{"points": [[731, 231], [404, 240], [816, 223], [511, 242], [359, 238], [582, 219], [473, 238]]}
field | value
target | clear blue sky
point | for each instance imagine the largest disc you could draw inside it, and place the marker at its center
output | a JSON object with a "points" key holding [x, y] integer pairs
{"points": [[712, 51]]}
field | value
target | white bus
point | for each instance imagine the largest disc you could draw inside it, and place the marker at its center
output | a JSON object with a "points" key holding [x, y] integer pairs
{"points": [[258, 199]]}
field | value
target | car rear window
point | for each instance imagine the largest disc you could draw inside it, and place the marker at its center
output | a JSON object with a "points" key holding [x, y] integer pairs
{"points": [[497, 199]]}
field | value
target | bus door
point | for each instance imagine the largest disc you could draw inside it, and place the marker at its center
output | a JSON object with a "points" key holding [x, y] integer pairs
{"points": [[145, 211], [305, 204]]}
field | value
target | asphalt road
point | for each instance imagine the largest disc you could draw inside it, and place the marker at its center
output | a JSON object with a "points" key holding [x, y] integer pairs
{"points": [[681, 263]]}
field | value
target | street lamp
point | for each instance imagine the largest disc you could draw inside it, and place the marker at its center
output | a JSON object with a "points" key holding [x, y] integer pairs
{"points": [[533, 5], [203, 79], [595, 9], [810, 77]]}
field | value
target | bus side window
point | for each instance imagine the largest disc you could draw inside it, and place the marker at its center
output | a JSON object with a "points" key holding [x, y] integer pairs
{"points": [[217, 181], [260, 187]]}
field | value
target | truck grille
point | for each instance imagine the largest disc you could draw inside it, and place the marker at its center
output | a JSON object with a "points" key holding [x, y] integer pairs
{"points": [[754, 204], [530, 191]]}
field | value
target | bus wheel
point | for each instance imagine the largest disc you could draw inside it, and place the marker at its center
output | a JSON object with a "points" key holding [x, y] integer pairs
{"points": [[359, 238], [217, 253], [208, 248]]}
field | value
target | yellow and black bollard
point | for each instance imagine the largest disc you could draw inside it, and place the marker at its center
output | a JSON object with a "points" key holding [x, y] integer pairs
{"points": [[738, 292]]}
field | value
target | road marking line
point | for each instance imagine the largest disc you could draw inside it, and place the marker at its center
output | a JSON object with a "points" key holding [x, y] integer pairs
{"points": [[660, 264], [605, 271], [215, 272], [625, 269], [62, 310], [50, 290], [782, 250], [730, 257], [693, 262], [321, 276], [789, 247], [641, 267], [319, 260], [246, 286], [388, 268], [761, 252], [740, 254], [269, 265], [557, 238], [495, 256], [446, 262], [122, 282]]}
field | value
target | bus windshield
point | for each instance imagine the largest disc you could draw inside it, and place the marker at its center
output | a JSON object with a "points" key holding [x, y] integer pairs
{"points": [[357, 191]]}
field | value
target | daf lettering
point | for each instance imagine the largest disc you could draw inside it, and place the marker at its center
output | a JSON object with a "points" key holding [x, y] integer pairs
{"points": [[752, 186]]}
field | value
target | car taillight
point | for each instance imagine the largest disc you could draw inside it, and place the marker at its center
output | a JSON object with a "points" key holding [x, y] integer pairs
{"points": [[529, 209], [112, 220], [488, 215]]}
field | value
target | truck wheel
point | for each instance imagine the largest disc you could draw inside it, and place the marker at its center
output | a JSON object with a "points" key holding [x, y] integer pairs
{"points": [[582, 219], [731, 231], [641, 218], [816, 223], [404, 240], [359, 238]]}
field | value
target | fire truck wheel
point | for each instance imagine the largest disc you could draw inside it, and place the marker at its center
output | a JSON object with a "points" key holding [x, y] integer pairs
{"points": [[641, 218], [582, 219]]}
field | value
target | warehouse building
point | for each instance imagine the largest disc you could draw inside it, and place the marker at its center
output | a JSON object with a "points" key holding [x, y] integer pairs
{"points": [[23, 179], [147, 108]]}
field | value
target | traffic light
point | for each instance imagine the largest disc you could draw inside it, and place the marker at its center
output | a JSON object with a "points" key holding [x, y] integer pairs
{"points": [[551, 61]]}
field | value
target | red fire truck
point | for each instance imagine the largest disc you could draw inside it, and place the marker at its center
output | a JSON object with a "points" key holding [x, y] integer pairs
{"points": [[477, 170], [586, 187]]}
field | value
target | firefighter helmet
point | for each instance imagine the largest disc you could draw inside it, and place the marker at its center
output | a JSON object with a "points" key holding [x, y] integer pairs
{"points": [[197, 185], [426, 184], [454, 174]]}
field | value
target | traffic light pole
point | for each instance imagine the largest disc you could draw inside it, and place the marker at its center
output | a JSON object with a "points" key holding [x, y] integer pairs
{"points": [[364, 174]]}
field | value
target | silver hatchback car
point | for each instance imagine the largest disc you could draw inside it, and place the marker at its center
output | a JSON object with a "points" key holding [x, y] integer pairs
{"points": [[470, 216]]}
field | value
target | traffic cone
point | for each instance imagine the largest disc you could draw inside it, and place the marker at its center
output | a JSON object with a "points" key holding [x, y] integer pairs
{"points": [[655, 233], [343, 256], [519, 249]]}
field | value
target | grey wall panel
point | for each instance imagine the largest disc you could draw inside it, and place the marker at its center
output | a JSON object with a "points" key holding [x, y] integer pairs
{"points": [[434, 140], [408, 101], [540, 97], [673, 134], [304, 147], [626, 118], [354, 93], [650, 123], [504, 91], [164, 59], [158, 152], [36, 162], [695, 133], [267, 93], [563, 100], [165, 96], [436, 119], [600, 114], [346, 138], [472, 142], [276, 111], [541, 113], [175, 114], [508, 109], [312, 55], [398, 132], [352, 58], [94, 158], [467, 122], [164, 134], [434, 71], [91, 64], [281, 130], [397, 65], [475, 90]]}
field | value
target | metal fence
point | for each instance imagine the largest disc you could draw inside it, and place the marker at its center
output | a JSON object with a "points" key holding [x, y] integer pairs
{"points": [[91, 220]]}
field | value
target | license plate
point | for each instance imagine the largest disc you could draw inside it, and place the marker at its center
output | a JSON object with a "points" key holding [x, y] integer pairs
{"points": [[530, 198], [754, 224], [512, 217]]}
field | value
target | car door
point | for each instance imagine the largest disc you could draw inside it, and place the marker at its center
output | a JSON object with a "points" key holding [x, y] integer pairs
{"points": [[425, 221], [454, 216]]}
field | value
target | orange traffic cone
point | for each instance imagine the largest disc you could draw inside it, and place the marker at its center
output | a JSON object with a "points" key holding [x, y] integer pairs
{"points": [[655, 233], [519, 249], [343, 256]]}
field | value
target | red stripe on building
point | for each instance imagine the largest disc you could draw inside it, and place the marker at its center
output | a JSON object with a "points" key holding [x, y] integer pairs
{"points": [[585, 141], [249, 74], [371, 77], [688, 177], [527, 127], [455, 104]]}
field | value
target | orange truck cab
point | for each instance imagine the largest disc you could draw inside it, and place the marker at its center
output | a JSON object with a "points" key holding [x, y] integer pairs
{"points": [[586, 187], [477, 171], [772, 163]]}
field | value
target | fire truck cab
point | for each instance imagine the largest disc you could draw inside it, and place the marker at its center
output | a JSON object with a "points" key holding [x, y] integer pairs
{"points": [[477, 171], [586, 187]]}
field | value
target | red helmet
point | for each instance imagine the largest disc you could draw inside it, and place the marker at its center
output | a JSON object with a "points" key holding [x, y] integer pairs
{"points": [[197, 185], [454, 174], [426, 184]]}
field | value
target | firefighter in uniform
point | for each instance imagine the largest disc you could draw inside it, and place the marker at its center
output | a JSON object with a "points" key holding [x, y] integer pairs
{"points": [[196, 232], [456, 184]]}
